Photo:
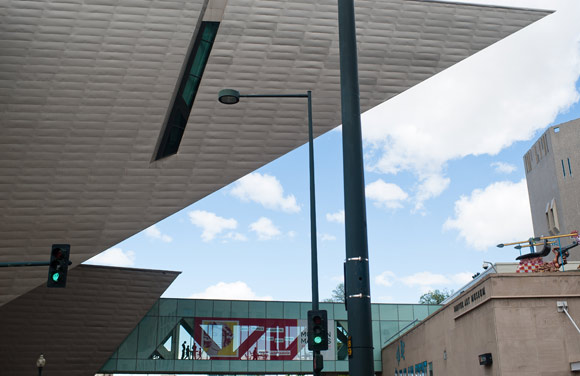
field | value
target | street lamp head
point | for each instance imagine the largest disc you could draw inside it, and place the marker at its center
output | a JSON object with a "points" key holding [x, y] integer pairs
{"points": [[229, 96], [41, 361]]}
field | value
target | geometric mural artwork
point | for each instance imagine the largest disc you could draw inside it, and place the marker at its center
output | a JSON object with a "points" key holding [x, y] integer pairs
{"points": [[200, 338]]}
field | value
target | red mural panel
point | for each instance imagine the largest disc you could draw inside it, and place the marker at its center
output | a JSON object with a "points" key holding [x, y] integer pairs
{"points": [[247, 338]]}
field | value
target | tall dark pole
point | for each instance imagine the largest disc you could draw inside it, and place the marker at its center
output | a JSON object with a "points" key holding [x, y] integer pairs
{"points": [[313, 246], [357, 264]]}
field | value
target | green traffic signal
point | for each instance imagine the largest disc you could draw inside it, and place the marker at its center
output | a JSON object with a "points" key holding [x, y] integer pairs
{"points": [[317, 339], [58, 265]]}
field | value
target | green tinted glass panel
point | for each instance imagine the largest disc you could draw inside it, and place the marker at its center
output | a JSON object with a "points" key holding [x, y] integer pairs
{"points": [[171, 137], [200, 59], [190, 89]]}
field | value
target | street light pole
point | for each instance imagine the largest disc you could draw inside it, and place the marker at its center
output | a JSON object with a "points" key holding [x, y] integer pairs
{"points": [[230, 96], [357, 263]]}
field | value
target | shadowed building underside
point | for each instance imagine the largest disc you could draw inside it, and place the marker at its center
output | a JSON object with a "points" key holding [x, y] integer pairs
{"points": [[77, 328]]}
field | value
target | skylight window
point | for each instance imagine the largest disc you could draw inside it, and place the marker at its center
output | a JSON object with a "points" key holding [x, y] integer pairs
{"points": [[189, 84]]}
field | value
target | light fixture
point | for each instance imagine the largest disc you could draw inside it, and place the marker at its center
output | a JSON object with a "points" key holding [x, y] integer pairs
{"points": [[229, 96], [487, 264], [40, 363], [485, 359]]}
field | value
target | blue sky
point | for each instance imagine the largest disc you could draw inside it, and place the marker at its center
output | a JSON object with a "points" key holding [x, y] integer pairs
{"points": [[444, 180]]}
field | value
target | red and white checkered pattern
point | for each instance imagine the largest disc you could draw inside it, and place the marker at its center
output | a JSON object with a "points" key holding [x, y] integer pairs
{"points": [[529, 265]]}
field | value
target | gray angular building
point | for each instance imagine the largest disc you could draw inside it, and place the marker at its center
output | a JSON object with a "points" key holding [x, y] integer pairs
{"points": [[552, 165]]}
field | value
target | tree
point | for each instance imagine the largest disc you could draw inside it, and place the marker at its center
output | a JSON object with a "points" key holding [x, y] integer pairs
{"points": [[337, 294], [435, 296]]}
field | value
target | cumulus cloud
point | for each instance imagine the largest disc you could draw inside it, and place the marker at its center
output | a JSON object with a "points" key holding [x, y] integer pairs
{"points": [[503, 167], [154, 233], [337, 217], [461, 113], [497, 214], [425, 281], [229, 291], [386, 279], [211, 224], [236, 236], [265, 229], [113, 257], [386, 195], [266, 190]]}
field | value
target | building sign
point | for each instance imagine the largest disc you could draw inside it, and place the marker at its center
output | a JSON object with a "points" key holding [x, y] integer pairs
{"points": [[472, 299]]}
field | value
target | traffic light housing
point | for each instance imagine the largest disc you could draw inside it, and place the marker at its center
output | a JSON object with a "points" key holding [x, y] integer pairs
{"points": [[58, 267], [317, 330]]}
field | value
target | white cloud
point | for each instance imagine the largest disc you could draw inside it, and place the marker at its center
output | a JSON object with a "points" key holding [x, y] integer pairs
{"points": [[154, 233], [337, 217], [113, 257], [461, 113], [291, 234], [265, 190], [386, 278], [384, 194], [211, 224], [503, 167], [229, 291], [265, 228], [497, 214], [424, 281], [327, 237], [236, 236]]}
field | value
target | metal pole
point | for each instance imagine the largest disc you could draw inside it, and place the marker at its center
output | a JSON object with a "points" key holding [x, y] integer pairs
{"points": [[357, 267], [24, 263], [313, 246]]}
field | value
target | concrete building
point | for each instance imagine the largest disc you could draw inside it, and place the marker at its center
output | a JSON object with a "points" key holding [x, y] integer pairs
{"points": [[552, 166], [503, 325]]}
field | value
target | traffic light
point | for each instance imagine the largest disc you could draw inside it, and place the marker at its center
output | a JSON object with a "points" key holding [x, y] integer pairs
{"points": [[58, 266], [317, 331]]}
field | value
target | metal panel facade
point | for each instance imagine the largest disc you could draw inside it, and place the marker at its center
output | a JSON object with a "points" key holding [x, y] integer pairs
{"points": [[77, 328]]}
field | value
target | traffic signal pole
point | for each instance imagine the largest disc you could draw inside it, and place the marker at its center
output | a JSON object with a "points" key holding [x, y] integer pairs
{"points": [[357, 263]]}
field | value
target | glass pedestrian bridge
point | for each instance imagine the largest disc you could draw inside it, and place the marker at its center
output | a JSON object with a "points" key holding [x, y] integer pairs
{"points": [[248, 337]]}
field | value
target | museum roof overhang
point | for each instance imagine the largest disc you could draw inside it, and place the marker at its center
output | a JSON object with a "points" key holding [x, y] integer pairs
{"points": [[87, 88]]}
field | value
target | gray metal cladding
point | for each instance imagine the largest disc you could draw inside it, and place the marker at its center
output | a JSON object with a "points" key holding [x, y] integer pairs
{"points": [[85, 87], [78, 327]]}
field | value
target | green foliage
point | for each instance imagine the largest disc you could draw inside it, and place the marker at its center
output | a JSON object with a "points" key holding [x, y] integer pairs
{"points": [[337, 294], [435, 296]]}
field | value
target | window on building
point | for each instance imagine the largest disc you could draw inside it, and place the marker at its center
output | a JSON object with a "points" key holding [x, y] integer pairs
{"points": [[563, 169], [189, 84]]}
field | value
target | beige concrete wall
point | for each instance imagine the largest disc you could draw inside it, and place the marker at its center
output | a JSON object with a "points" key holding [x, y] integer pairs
{"points": [[515, 319]]}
